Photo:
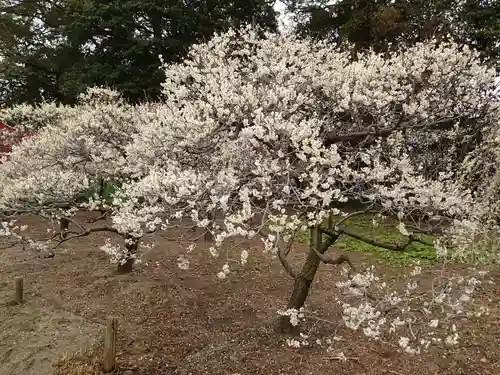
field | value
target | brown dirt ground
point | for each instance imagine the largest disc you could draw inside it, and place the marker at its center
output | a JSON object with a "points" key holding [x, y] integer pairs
{"points": [[189, 322]]}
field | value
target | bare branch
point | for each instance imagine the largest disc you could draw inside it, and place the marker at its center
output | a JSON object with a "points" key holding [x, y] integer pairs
{"points": [[354, 214], [333, 137], [336, 262], [103, 215], [371, 241], [85, 233], [284, 262]]}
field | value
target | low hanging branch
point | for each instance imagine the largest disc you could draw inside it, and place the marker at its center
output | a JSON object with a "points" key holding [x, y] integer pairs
{"points": [[389, 246], [71, 234]]}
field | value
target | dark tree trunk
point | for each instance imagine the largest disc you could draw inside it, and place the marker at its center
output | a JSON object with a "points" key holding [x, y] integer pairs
{"points": [[131, 250], [208, 237], [64, 225], [303, 282], [126, 267]]}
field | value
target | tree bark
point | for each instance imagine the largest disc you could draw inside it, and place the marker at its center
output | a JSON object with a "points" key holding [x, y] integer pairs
{"points": [[126, 267], [64, 225], [208, 237], [303, 281], [131, 250]]}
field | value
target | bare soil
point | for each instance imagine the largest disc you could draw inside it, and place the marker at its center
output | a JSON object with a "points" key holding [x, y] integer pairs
{"points": [[174, 321]]}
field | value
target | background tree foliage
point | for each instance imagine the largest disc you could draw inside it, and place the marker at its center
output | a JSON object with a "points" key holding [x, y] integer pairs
{"points": [[53, 49], [381, 24]]}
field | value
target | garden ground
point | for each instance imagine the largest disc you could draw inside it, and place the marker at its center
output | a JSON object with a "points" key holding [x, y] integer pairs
{"points": [[174, 321]]}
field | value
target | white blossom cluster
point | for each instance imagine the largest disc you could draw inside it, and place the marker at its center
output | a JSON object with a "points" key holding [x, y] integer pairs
{"points": [[56, 171], [67, 155], [382, 314], [117, 254], [412, 320], [30, 117], [245, 126], [296, 316]]}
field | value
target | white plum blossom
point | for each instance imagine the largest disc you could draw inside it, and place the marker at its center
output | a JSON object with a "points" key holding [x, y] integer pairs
{"points": [[244, 257], [434, 323], [182, 263], [295, 315]]}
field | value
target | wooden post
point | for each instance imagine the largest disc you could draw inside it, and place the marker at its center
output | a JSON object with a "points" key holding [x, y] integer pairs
{"points": [[19, 291], [109, 360]]}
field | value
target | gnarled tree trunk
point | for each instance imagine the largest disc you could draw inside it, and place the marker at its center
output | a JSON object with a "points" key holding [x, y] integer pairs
{"points": [[64, 225], [208, 236], [125, 267], [303, 280], [131, 246]]}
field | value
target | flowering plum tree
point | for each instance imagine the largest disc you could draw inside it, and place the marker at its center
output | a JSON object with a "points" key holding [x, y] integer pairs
{"points": [[23, 119], [270, 136], [62, 168]]}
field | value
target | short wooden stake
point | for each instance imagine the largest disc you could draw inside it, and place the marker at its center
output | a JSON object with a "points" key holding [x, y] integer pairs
{"points": [[109, 360], [19, 291]]}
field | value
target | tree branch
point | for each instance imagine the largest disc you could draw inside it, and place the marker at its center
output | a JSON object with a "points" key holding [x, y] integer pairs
{"points": [[332, 137], [85, 233], [374, 242], [284, 262], [336, 262], [332, 237]]}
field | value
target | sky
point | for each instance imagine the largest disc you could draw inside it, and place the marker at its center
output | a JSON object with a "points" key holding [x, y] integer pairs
{"points": [[283, 20]]}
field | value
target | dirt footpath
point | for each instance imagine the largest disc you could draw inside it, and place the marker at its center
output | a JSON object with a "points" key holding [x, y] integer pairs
{"points": [[32, 338]]}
